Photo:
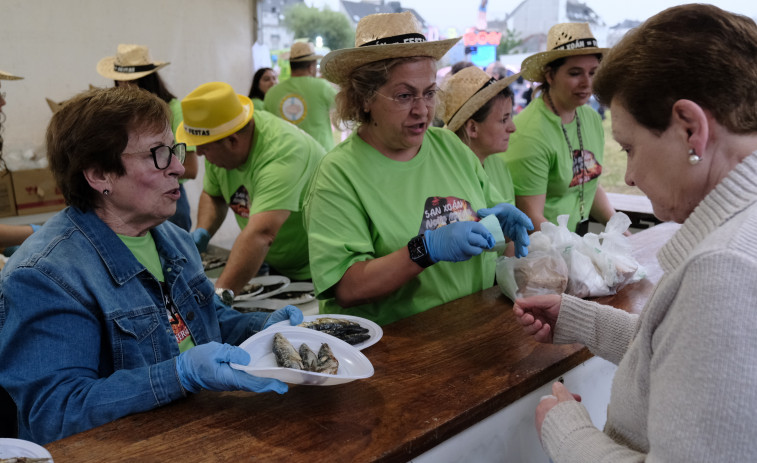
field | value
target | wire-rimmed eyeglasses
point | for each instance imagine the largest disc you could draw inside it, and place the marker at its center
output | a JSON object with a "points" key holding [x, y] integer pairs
{"points": [[161, 155], [407, 100]]}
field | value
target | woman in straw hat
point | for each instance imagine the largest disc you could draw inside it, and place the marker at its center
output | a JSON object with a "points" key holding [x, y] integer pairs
{"points": [[556, 155], [394, 205], [11, 236], [106, 310], [686, 386], [132, 65], [479, 109]]}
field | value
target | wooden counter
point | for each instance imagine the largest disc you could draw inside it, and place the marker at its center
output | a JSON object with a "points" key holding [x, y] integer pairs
{"points": [[436, 374]]}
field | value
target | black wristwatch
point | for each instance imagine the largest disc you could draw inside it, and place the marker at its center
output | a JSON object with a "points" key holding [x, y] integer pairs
{"points": [[226, 295], [418, 252]]}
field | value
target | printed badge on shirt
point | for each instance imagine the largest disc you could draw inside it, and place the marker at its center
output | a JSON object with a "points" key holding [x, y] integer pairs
{"points": [[440, 211], [240, 202], [585, 168]]}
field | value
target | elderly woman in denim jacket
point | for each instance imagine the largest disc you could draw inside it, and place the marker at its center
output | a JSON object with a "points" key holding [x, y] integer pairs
{"points": [[106, 311]]}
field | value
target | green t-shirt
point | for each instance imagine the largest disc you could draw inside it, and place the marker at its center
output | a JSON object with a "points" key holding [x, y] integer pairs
{"points": [[143, 248], [276, 176], [496, 168], [304, 101], [364, 205], [258, 104], [540, 163]]}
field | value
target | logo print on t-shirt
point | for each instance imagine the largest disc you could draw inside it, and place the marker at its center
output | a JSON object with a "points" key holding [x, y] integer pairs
{"points": [[440, 211], [585, 167], [293, 108], [240, 202]]}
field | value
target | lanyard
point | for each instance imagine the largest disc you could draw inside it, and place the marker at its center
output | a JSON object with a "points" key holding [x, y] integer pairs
{"points": [[570, 148]]}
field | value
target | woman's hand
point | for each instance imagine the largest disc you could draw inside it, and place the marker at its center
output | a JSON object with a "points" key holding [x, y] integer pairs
{"points": [[458, 241], [538, 315], [560, 393]]}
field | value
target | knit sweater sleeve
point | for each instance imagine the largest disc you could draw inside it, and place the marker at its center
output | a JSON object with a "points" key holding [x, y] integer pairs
{"points": [[699, 377], [604, 330]]}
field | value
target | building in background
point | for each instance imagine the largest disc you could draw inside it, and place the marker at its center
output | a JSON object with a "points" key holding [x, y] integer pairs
{"points": [[271, 31]]}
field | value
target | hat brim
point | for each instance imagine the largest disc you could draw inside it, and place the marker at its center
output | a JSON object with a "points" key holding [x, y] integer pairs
{"points": [[337, 65], [532, 68], [7, 76], [475, 102], [306, 58], [105, 69], [196, 140]]}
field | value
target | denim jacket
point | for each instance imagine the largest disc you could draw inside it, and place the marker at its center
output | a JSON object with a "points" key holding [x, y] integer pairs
{"points": [[84, 335]]}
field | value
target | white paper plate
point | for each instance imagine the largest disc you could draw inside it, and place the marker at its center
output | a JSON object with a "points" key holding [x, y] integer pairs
{"points": [[374, 330], [281, 282], [352, 363], [298, 292], [10, 448]]}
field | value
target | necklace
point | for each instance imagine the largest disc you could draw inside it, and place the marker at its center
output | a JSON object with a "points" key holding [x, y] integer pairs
{"points": [[572, 156]]}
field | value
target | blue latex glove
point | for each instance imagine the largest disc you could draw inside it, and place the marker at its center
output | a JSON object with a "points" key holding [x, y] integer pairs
{"points": [[201, 237], [207, 367], [35, 227], [458, 241], [290, 312], [515, 225]]}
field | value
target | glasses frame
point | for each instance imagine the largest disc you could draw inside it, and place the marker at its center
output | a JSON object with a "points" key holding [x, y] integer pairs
{"points": [[181, 155], [405, 105]]}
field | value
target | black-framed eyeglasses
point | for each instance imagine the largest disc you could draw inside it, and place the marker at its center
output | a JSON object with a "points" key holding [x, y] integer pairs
{"points": [[161, 155]]}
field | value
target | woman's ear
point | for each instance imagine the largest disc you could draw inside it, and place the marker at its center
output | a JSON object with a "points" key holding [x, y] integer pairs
{"points": [[693, 123], [97, 179], [471, 128]]}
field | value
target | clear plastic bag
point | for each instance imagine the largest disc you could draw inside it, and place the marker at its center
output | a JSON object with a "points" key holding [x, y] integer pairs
{"points": [[593, 265], [543, 271]]}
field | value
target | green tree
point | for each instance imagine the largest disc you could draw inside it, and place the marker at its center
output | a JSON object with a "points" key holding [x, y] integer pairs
{"points": [[510, 42], [332, 26]]}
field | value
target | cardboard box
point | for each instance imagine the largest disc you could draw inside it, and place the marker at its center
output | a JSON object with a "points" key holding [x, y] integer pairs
{"points": [[7, 198], [36, 191]]}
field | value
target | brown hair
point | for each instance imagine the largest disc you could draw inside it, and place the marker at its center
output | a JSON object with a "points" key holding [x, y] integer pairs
{"points": [[363, 83], [483, 112], [92, 130], [695, 52]]}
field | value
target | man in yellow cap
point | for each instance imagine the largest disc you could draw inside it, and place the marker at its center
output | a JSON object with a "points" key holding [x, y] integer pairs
{"points": [[259, 166], [303, 99]]}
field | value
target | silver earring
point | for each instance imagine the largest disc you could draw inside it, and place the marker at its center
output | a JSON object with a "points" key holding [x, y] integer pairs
{"points": [[106, 192], [694, 158]]}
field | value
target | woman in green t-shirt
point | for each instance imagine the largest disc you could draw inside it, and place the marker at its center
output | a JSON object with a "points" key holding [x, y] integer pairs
{"points": [[395, 179], [556, 155]]}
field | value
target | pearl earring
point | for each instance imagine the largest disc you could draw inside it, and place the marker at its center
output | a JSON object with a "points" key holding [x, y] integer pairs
{"points": [[693, 157]]}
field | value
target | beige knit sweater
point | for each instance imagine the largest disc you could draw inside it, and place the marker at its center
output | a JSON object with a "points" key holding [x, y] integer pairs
{"points": [[686, 384]]}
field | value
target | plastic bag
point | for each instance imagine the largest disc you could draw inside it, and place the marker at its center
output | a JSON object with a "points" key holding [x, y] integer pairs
{"points": [[542, 271], [593, 265]]}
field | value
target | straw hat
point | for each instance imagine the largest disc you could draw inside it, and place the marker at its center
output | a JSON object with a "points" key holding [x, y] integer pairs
{"points": [[303, 51], [382, 36], [212, 111], [565, 39], [54, 107], [466, 91], [130, 63], [7, 76]]}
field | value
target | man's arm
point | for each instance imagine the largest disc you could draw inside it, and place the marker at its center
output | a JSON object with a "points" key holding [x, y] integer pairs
{"points": [[250, 249], [211, 212]]}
